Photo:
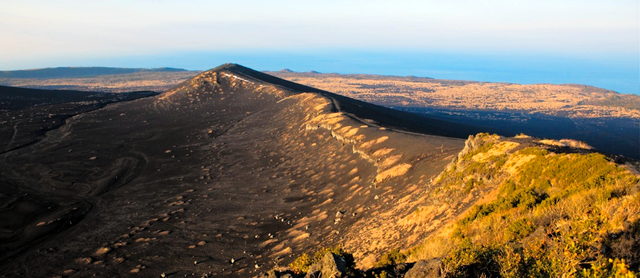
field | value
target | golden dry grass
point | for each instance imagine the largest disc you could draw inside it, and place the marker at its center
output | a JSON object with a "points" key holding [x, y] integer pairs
{"points": [[556, 207]]}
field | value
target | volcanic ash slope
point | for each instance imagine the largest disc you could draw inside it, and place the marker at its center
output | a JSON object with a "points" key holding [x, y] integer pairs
{"points": [[231, 173]]}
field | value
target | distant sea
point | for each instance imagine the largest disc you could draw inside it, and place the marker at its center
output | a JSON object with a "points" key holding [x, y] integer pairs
{"points": [[615, 72]]}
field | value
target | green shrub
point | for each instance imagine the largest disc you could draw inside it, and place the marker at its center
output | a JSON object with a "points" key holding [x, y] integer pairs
{"points": [[500, 161], [391, 258], [382, 274], [507, 188], [469, 185], [471, 260], [525, 199], [512, 263], [301, 264], [477, 212], [606, 268], [519, 229]]}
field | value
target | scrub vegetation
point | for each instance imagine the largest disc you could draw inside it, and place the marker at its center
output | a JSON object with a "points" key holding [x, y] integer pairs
{"points": [[554, 214]]}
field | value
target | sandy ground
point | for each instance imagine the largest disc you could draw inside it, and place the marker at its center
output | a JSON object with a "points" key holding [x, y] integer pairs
{"points": [[225, 167]]}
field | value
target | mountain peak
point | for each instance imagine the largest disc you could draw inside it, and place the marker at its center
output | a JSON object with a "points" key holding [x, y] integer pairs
{"points": [[228, 66], [255, 75]]}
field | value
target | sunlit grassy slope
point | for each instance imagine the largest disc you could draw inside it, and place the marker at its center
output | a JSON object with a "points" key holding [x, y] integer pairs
{"points": [[546, 209], [547, 212]]}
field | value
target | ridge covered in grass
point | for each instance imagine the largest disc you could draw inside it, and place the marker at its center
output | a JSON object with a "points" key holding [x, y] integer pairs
{"points": [[549, 213], [543, 211]]}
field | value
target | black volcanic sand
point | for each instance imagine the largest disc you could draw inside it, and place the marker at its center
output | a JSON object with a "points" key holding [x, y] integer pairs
{"points": [[27, 114], [231, 164]]}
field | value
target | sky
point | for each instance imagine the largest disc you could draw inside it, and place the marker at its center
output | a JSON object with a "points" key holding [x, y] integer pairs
{"points": [[569, 41]]}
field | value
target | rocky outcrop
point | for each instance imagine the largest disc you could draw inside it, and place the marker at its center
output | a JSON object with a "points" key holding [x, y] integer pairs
{"points": [[331, 266], [476, 141], [426, 269]]}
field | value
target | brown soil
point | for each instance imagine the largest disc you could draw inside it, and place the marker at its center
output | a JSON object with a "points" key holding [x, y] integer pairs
{"points": [[232, 164]]}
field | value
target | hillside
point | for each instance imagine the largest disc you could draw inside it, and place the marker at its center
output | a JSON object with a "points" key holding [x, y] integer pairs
{"points": [[604, 119], [547, 209], [230, 164], [235, 172], [514, 207]]}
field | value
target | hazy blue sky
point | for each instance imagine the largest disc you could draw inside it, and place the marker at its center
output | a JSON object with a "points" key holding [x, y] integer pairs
{"points": [[365, 36]]}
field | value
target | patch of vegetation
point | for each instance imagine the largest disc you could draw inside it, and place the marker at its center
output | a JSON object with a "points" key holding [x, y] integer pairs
{"points": [[519, 229], [523, 198], [391, 258], [471, 260], [383, 274], [554, 215], [302, 263], [616, 100], [604, 267]]}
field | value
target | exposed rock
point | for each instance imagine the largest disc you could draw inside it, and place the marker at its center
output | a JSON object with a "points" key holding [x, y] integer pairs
{"points": [[426, 269], [276, 274], [102, 251], [85, 260], [331, 266], [471, 144]]}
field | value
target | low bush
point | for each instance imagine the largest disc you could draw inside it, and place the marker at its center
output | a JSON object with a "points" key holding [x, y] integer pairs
{"points": [[519, 229], [391, 258], [554, 215], [301, 264]]}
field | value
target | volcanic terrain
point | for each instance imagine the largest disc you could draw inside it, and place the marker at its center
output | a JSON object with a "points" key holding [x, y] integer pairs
{"points": [[232, 164], [232, 173]]}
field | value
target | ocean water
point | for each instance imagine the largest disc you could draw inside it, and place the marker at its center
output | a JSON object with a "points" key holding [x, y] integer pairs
{"points": [[617, 72]]}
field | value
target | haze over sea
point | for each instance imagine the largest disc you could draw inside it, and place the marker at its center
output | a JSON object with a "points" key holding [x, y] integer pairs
{"points": [[590, 42], [613, 72]]}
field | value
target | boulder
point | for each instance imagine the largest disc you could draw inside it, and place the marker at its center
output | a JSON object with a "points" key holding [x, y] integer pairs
{"points": [[331, 266], [426, 269]]}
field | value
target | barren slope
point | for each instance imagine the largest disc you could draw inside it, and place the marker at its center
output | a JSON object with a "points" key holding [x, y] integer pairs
{"points": [[230, 164]]}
